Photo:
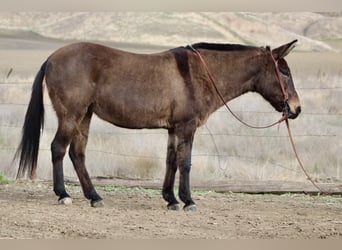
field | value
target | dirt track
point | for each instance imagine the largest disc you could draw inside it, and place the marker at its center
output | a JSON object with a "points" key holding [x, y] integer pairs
{"points": [[30, 210]]}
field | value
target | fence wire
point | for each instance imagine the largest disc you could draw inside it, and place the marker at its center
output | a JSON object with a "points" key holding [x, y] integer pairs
{"points": [[12, 125]]}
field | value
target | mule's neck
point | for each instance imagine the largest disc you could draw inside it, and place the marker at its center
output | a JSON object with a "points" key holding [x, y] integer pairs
{"points": [[235, 72]]}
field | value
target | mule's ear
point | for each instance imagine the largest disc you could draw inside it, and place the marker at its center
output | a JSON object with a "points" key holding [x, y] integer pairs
{"points": [[283, 50]]}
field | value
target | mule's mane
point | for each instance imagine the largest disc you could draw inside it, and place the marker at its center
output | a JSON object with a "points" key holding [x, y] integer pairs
{"points": [[221, 46]]}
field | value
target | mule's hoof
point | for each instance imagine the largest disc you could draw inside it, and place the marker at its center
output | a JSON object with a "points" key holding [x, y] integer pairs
{"points": [[190, 208], [65, 201], [97, 204], [173, 207]]}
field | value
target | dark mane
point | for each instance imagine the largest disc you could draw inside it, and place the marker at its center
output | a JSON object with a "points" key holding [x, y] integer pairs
{"points": [[220, 46]]}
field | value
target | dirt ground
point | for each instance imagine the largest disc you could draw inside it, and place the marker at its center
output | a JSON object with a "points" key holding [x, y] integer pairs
{"points": [[30, 211]]}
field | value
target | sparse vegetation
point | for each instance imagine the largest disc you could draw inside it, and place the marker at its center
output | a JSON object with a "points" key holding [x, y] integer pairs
{"points": [[3, 179], [111, 188]]}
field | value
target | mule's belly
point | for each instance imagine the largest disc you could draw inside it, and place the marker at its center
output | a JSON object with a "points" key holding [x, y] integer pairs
{"points": [[134, 111], [132, 120]]}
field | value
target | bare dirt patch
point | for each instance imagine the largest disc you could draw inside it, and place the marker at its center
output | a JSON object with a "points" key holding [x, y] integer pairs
{"points": [[30, 210]]}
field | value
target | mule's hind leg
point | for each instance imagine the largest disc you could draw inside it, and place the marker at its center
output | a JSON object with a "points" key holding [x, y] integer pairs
{"points": [[77, 156], [58, 148]]}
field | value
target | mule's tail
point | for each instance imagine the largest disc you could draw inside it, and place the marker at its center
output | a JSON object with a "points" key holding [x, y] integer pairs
{"points": [[33, 125]]}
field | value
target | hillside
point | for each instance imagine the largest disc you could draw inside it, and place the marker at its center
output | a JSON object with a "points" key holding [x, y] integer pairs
{"points": [[315, 31]]}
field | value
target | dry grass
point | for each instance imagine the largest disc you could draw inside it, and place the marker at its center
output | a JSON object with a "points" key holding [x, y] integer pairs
{"points": [[231, 152]]}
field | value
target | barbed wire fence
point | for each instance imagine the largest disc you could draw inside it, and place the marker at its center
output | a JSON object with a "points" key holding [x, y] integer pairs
{"points": [[221, 151]]}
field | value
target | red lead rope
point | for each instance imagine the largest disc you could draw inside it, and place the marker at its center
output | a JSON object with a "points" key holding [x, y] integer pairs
{"points": [[298, 159], [283, 118]]}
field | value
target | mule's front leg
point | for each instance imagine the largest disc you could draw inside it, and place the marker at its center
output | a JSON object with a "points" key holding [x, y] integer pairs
{"points": [[171, 169], [184, 148]]}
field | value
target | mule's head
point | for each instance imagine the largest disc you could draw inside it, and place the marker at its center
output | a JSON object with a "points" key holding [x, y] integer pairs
{"points": [[270, 86]]}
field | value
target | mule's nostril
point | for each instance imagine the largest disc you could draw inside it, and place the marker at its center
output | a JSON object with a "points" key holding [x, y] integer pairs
{"points": [[295, 113]]}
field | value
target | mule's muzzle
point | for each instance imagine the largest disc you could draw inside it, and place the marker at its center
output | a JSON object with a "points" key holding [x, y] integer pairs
{"points": [[289, 113]]}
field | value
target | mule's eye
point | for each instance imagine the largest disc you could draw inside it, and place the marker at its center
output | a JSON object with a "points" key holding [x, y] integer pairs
{"points": [[284, 71]]}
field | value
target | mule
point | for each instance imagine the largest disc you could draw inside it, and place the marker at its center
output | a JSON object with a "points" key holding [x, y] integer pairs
{"points": [[168, 90]]}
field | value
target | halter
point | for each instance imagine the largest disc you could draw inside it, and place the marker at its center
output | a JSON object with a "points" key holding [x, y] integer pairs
{"points": [[286, 109], [283, 118], [282, 86]]}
